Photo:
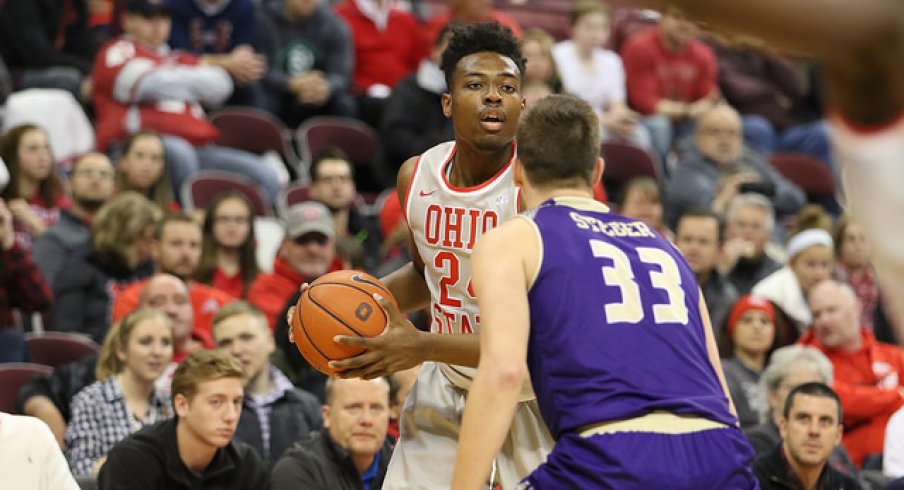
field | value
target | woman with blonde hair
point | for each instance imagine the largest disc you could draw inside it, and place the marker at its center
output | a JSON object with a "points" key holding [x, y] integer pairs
{"points": [[135, 353], [118, 253]]}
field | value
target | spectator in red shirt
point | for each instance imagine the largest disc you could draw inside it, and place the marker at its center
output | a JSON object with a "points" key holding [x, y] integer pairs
{"points": [[35, 192], [389, 44], [465, 11], [307, 252], [23, 288], [177, 250], [671, 77], [228, 257], [142, 168], [869, 375]]}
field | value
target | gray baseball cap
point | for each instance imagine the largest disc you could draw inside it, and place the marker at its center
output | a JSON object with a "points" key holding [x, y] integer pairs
{"points": [[309, 217]]}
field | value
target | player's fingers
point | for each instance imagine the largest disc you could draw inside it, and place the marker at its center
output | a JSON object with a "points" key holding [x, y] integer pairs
{"points": [[354, 365], [354, 341], [392, 312], [304, 287], [289, 315]]}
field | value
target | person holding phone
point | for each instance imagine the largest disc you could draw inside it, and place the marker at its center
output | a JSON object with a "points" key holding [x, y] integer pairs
{"points": [[716, 167]]}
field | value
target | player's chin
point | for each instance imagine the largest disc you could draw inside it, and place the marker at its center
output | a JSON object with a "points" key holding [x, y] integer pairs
{"points": [[494, 141]]}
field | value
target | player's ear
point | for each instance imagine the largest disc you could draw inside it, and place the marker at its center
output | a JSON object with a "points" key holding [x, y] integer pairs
{"points": [[598, 170], [446, 100], [518, 172]]}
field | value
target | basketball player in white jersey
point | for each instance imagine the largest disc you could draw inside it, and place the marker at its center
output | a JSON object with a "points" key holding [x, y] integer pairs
{"points": [[861, 45], [451, 195]]}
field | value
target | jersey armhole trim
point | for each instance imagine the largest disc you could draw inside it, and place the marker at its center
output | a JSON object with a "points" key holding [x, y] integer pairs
{"points": [[532, 275], [417, 166], [846, 123]]}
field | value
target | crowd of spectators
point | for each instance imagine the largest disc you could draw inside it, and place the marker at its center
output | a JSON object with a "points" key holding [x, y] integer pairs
{"points": [[106, 245]]}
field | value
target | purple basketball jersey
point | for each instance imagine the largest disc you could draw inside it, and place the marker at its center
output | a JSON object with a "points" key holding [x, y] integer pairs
{"points": [[616, 330]]}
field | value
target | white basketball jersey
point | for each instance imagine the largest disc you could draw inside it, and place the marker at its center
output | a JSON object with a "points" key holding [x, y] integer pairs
{"points": [[446, 222], [870, 163]]}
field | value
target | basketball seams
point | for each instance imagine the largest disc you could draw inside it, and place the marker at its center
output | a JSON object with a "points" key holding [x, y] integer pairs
{"points": [[338, 312], [304, 329], [345, 284]]}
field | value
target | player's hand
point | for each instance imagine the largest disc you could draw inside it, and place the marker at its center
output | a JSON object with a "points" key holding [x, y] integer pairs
{"points": [[397, 348], [291, 313]]}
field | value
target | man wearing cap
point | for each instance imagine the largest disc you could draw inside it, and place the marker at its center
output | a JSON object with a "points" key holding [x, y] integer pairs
{"points": [[307, 252], [869, 375]]}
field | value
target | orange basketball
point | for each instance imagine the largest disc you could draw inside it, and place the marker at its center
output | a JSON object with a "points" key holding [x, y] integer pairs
{"points": [[338, 303]]}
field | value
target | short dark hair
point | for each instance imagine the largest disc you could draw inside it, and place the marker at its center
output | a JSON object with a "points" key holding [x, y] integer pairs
{"points": [[329, 153], [573, 127], [471, 38], [812, 389], [697, 212]]}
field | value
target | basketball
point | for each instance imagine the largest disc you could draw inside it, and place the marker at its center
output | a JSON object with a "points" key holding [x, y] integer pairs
{"points": [[338, 303]]}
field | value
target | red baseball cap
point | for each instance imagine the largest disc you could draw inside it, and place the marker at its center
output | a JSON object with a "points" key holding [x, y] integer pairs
{"points": [[746, 303]]}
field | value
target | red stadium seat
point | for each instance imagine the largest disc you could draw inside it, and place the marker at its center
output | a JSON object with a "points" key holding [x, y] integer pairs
{"points": [[807, 172], [625, 161], [200, 189], [255, 131], [293, 193], [57, 348], [13, 376], [356, 138]]}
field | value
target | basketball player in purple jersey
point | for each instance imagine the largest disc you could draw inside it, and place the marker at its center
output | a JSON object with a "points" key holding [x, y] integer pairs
{"points": [[451, 195], [861, 45], [608, 319]]}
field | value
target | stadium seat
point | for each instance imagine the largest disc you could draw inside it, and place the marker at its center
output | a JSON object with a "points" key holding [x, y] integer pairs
{"points": [[356, 138], [625, 161], [293, 193], [807, 172], [13, 376], [255, 131], [200, 189], [57, 348]]}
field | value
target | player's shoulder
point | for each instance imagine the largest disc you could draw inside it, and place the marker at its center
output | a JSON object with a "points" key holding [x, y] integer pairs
{"points": [[510, 235]]}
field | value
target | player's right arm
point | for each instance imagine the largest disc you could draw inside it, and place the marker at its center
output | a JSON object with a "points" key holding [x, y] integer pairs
{"points": [[712, 350], [402, 346], [407, 284]]}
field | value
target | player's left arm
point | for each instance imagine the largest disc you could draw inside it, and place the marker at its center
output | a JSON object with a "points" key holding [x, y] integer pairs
{"points": [[713, 351], [500, 263]]}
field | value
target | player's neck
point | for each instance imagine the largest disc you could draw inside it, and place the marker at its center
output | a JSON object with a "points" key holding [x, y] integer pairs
{"points": [[471, 166], [532, 196]]}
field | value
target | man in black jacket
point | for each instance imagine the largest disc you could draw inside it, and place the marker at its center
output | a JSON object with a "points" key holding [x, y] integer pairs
{"points": [[352, 452], [275, 414], [195, 450], [811, 428]]}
